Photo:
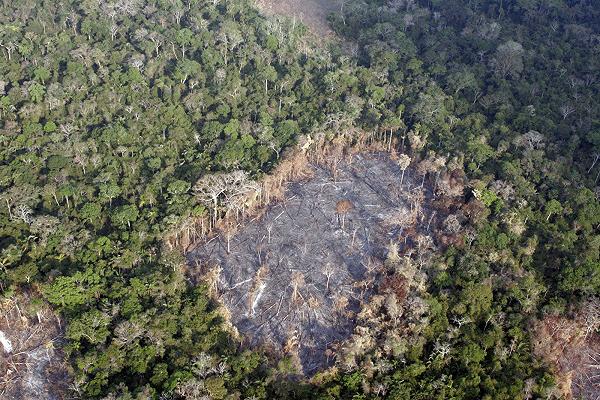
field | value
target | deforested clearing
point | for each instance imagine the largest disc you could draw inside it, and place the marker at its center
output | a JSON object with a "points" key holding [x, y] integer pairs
{"points": [[312, 13], [295, 275], [31, 360]]}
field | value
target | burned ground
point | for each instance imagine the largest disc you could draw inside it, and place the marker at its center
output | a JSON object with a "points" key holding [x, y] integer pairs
{"points": [[295, 276], [31, 361]]}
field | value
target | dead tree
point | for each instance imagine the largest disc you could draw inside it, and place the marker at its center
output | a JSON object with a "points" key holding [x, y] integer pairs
{"points": [[212, 279], [297, 282], [230, 229], [342, 208], [340, 305], [596, 157], [393, 255], [328, 272], [590, 314], [566, 110], [233, 190], [403, 163], [423, 168], [402, 217], [258, 288]]}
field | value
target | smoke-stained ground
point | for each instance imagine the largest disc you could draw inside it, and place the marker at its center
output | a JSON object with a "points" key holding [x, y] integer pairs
{"points": [[295, 275]]}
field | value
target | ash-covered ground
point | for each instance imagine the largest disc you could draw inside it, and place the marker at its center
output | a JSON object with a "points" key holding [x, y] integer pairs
{"points": [[295, 276], [31, 360]]}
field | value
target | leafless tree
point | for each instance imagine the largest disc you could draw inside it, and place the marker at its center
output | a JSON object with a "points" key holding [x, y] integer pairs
{"points": [[508, 60], [393, 254], [533, 140], [127, 332], [460, 321], [340, 304], [9, 47], [114, 29], [220, 75], [596, 157], [402, 217], [193, 389], [441, 349], [566, 110], [590, 314], [258, 287], [158, 41], [297, 282], [231, 189], [24, 213], [342, 208], [403, 162], [328, 272], [230, 228], [452, 224]]}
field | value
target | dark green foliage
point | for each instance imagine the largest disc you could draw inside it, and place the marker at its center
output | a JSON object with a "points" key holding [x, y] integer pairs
{"points": [[110, 113]]}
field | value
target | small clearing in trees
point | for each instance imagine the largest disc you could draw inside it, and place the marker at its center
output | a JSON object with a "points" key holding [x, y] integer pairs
{"points": [[312, 13], [294, 276]]}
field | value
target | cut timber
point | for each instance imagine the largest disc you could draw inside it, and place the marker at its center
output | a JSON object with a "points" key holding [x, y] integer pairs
{"points": [[308, 272]]}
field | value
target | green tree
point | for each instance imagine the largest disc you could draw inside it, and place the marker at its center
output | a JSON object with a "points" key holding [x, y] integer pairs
{"points": [[124, 215]]}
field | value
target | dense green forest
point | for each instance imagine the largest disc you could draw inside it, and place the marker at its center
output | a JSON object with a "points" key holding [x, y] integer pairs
{"points": [[110, 112]]}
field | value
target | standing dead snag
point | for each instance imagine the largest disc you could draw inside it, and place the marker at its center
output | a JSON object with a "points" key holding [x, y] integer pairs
{"points": [[212, 279], [402, 217], [342, 208], [590, 316], [297, 281], [340, 305], [403, 163], [393, 254], [229, 229], [328, 272], [439, 163], [258, 288]]}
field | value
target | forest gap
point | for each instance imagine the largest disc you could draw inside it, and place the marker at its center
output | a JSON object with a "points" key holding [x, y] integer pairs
{"points": [[295, 276], [312, 13]]}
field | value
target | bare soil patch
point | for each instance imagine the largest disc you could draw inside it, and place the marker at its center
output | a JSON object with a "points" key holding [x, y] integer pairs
{"points": [[295, 276], [312, 13]]}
